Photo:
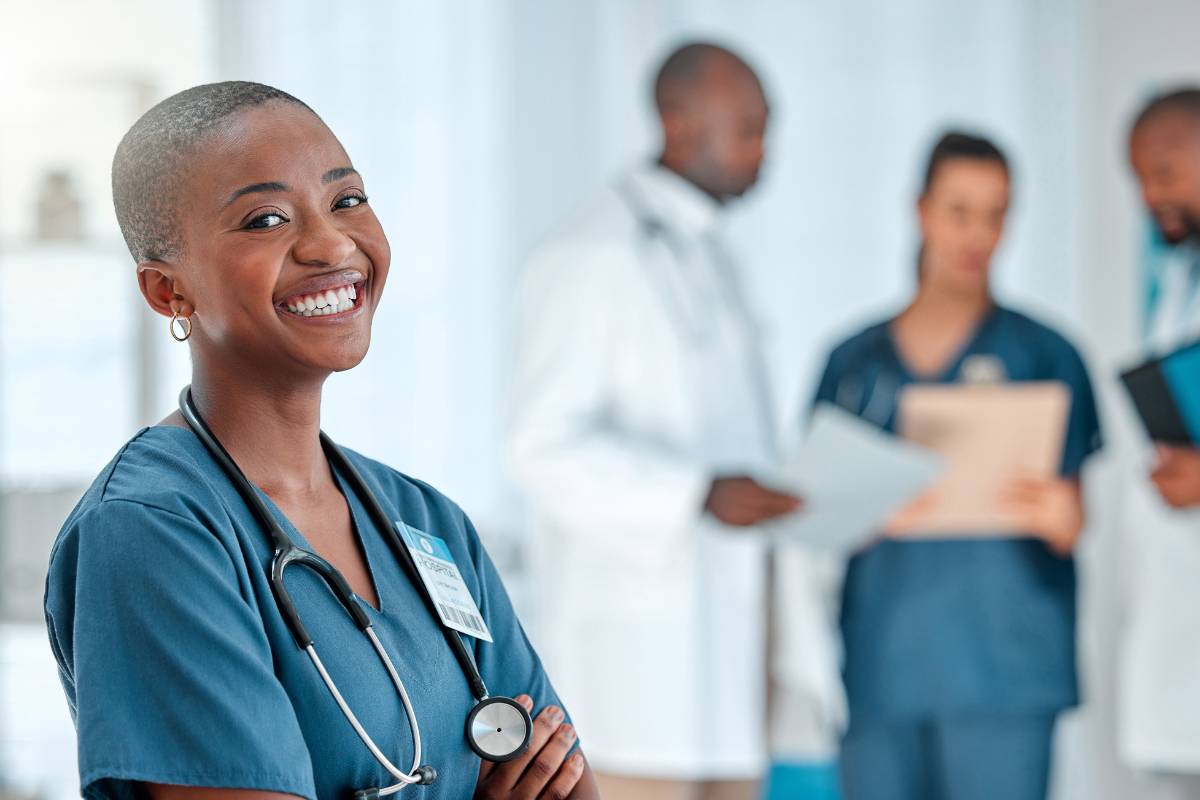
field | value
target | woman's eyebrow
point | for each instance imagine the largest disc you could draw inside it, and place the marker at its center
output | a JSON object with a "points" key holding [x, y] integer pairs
{"points": [[269, 186], [337, 174]]}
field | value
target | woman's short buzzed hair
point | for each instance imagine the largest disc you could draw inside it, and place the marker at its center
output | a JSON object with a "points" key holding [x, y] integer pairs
{"points": [[152, 155]]}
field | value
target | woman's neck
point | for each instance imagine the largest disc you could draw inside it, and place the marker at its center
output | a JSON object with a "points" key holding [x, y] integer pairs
{"points": [[271, 429], [935, 327], [946, 306]]}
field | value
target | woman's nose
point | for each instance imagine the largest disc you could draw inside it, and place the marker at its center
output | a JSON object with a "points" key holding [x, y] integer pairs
{"points": [[322, 243]]}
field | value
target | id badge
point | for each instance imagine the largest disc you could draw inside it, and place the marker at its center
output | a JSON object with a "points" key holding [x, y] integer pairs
{"points": [[445, 584]]}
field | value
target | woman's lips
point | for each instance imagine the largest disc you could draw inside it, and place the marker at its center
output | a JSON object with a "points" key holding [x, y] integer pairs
{"points": [[334, 301]]}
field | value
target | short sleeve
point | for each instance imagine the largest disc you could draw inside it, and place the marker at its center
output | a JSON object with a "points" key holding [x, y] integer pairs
{"points": [[166, 665], [1083, 424]]}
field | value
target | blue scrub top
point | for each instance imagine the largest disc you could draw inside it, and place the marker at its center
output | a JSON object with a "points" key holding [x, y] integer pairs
{"points": [[179, 669], [936, 628]]}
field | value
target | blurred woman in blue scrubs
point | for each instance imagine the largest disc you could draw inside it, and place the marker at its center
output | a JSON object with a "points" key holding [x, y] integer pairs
{"points": [[252, 231], [960, 653]]}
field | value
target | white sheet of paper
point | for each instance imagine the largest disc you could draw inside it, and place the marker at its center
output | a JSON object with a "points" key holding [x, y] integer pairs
{"points": [[852, 476]]}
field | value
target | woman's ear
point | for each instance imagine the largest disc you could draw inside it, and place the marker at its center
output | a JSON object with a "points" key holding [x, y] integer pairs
{"points": [[922, 212], [161, 290]]}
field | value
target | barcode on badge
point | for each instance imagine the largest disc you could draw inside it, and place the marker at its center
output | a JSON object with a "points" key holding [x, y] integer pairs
{"points": [[469, 621]]}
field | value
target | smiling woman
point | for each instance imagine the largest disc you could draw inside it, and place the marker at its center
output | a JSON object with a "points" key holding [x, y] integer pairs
{"points": [[175, 633]]}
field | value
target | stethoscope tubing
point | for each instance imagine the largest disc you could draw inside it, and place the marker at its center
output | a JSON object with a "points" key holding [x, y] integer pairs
{"points": [[287, 553]]}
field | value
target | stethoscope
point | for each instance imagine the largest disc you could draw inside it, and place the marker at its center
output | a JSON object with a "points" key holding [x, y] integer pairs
{"points": [[497, 728]]}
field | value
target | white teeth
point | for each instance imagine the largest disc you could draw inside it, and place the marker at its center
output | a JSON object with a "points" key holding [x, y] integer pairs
{"points": [[331, 301]]}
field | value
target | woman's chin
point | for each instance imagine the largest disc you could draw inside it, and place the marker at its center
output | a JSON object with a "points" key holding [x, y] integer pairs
{"points": [[337, 359]]}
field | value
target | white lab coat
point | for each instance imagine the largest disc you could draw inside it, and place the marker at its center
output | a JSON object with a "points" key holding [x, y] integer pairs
{"points": [[638, 378], [1159, 682], [808, 701]]}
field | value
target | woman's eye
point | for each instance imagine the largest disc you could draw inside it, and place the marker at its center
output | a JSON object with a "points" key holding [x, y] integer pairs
{"points": [[262, 221], [350, 201]]}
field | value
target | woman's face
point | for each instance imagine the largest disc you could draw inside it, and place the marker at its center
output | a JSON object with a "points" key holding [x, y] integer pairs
{"points": [[962, 219], [283, 260]]}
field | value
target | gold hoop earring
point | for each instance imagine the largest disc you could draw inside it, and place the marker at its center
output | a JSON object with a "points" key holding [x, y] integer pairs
{"points": [[184, 322]]}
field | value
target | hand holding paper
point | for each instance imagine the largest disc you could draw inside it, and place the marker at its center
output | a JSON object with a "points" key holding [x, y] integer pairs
{"points": [[852, 476], [1003, 444], [1051, 510]]}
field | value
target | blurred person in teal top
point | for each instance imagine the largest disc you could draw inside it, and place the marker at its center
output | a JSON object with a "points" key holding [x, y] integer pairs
{"points": [[960, 653], [251, 229]]}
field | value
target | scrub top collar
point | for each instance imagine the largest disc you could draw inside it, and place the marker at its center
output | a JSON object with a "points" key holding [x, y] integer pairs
{"points": [[678, 201], [950, 369]]}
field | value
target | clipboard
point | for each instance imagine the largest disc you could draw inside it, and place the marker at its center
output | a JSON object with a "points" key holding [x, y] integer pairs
{"points": [[989, 435]]}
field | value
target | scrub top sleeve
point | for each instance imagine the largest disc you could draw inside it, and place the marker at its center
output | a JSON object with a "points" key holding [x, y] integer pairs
{"points": [[1083, 424], [166, 664], [509, 664]]}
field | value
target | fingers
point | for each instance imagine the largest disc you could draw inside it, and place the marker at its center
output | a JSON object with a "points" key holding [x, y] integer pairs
{"points": [[547, 763], [741, 501], [504, 777], [486, 768], [1021, 496], [774, 504], [758, 503], [566, 779], [1175, 489], [908, 518]]}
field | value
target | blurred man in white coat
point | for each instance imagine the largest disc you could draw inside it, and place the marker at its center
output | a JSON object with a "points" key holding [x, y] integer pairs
{"points": [[640, 409], [1160, 679]]}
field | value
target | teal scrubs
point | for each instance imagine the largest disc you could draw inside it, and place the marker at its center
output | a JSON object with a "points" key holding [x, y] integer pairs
{"points": [[976, 633], [179, 669]]}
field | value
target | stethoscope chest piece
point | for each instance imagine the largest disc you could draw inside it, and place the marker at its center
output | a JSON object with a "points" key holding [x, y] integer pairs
{"points": [[498, 729]]}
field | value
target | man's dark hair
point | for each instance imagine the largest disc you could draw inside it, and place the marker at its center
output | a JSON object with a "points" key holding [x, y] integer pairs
{"points": [[1183, 99], [152, 158], [685, 68], [957, 144]]}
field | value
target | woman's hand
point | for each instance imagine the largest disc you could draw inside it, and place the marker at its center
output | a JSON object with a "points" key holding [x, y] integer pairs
{"points": [[1051, 509], [543, 771], [910, 517]]}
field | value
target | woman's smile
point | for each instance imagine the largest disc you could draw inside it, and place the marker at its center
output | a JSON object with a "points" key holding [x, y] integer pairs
{"points": [[337, 295]]}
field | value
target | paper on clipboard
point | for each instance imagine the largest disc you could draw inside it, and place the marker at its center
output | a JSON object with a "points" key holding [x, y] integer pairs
{"points": [[989, 434], [852, 476]]}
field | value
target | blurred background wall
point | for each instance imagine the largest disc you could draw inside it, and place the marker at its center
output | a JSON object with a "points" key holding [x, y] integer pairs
{"points": [[477, 125]]}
